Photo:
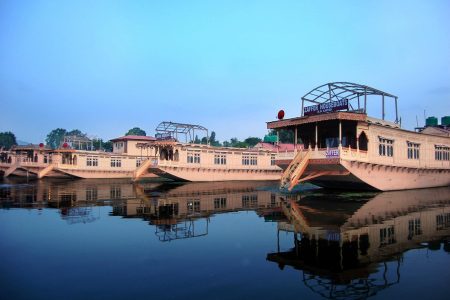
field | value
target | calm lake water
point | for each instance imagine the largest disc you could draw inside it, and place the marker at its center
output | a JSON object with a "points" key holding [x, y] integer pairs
{"points": [[112, 239]]}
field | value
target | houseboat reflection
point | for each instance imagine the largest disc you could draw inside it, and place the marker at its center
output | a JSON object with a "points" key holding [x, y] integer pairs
{"points": [[349, 249], [184, 211]]}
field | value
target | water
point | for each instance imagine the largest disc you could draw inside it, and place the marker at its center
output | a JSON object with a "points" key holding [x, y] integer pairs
{"points": [[97, 239]]}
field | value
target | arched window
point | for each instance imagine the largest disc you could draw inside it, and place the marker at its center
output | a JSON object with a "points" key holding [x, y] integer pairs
{"points": [[363, 141], [163, 154]]}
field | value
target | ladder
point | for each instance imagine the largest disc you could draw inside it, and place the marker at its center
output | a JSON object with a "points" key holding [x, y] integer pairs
{"points": [[294, 171]]}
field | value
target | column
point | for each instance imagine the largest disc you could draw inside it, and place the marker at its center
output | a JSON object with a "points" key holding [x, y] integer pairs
{"points": [[340, 134], [317, 135], [295, 140]]}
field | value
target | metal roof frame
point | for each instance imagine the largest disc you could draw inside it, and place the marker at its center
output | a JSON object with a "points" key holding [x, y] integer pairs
{"points": [[174, 129], [353, 92]]}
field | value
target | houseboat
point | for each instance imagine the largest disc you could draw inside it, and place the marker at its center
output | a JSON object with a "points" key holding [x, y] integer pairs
{"points": [[202, 162], [77, 158], [138, 157], [346, 148]]}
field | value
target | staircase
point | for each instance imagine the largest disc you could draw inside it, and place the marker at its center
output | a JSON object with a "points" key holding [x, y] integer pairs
{"points": [[142, 169], [10, 170], [45, 171], [294, 171]]}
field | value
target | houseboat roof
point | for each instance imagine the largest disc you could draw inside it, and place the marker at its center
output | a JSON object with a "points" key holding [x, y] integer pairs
{"points": [[134, 138], [317, 118], [30, 147]]}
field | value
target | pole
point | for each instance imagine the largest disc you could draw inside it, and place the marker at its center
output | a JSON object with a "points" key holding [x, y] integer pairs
{"points": [[382, 107], [365, 100], [317, 137], [396, 111]]}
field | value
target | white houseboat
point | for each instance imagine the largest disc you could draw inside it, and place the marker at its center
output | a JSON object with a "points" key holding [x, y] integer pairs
{"points": [[138, 157], [76, 158], [346, 148]]}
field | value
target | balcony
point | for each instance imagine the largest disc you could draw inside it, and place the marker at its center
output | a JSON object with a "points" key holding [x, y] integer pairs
{"points": [[328, 153]]}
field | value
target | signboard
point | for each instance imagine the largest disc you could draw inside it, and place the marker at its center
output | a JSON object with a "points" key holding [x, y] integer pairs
{"points": [[326, 107], [332, 153]]}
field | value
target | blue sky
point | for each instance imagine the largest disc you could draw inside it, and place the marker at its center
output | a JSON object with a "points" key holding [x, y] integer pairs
{"points": [[106, 66]]}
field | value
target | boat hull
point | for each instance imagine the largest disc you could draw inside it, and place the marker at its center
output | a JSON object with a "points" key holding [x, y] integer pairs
{"points": [[200, 174]]}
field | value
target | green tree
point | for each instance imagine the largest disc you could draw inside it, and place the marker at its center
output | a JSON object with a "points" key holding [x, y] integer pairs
{"points": [[136, 131], [285, 136], [252, 141], [55, 137], [213, 141], [76, 132], [7, 140], [234, 142], [99, 144]]}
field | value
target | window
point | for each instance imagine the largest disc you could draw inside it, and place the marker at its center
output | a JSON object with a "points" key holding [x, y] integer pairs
{"points": [[91, 194], [249, 160], [386, 147], [193, 158], [220, 203], [193, 206], [441, 152], [414, 228], [220, 159], [387, 236], [92, 161], [442, 221], [249, 201], [115, 192], [138, 162], [413, 150], [272, 160], [116, 162]]}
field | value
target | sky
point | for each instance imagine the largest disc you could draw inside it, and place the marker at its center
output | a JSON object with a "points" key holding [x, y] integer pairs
{"points": [[106, 66]]}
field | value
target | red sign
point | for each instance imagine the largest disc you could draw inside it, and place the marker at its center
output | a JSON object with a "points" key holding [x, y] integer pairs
{"points": [[281, 115]]}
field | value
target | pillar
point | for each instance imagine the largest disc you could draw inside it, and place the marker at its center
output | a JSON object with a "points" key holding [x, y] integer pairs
{"points": [[317, 136], [340, 133], [295, 140]]}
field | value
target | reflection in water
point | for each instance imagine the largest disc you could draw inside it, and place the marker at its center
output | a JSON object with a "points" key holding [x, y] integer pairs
{"points": [[184, 211], [344, 245], [345, 249]]}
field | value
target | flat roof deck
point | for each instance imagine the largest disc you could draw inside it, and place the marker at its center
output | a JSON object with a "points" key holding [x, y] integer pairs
{"points": [[350, 116]]}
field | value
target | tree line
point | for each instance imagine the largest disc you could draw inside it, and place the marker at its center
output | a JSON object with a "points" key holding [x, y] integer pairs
{"points": [[55, 138]]}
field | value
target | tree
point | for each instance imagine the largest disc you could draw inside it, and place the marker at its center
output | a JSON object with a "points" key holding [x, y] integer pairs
{"points": [[252, 141], [285, 136], [76, 132], [101, 145], [212, 140], [234, 142], [136, 131], [7, 140], [55, 137]]}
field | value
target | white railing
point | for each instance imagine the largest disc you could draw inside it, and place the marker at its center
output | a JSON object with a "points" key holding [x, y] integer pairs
{"points": [[328, 153]]}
